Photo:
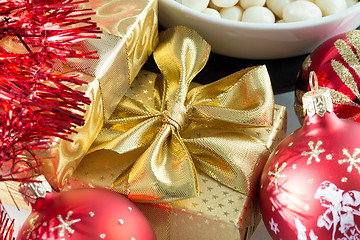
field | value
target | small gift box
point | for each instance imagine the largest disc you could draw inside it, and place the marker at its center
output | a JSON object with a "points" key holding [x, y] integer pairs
{"points": [[129, 35], [191, 154]]}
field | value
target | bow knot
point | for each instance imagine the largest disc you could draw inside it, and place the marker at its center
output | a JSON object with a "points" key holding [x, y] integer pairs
{"points": [[178, 119]]}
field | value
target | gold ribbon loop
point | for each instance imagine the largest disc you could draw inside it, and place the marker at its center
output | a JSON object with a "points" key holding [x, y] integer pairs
{"points": [[174, 128], [180, 56], [244, 98]]}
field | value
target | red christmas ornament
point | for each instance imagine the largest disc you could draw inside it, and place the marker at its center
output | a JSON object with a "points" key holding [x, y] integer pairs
{"points": [[310, 185], [336, 63], [84, 214]]}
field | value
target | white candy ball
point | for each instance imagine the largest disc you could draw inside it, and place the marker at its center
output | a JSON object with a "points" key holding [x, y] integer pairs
{"points": [[350, 3], [231, 13], [213, 6], [211, 12], [223, 3], [329, 7], [277, 6], [250, 3], [198, 5], [301, 11], [258, 14]]}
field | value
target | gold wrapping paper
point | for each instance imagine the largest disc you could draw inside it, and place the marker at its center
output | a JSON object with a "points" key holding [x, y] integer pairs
{"points": [[129, 36], [218, 213], [164, 130]]}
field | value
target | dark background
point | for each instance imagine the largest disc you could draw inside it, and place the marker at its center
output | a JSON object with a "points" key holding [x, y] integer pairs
{"points": [[283, 72]]}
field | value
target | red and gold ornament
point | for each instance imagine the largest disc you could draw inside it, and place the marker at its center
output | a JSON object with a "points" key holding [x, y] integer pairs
{"points": [[309, 186], [83, 214], [336, 63]]}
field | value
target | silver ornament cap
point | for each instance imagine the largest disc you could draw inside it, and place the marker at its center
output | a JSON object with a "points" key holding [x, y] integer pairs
{"points": [[318, 100], [31, 191]]}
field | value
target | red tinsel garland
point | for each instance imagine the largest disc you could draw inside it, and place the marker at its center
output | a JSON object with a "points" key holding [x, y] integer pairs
{"points": [[6, 225], [37, 104]]}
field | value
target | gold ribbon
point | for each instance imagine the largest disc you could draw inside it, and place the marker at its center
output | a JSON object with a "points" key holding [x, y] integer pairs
{"points": [[171, 128]]}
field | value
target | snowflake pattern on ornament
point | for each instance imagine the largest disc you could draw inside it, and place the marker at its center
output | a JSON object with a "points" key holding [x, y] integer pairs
{"points": [[276, 174], [314, 153], [342, 206], [274, 226], [65, 224], [352, 160]]}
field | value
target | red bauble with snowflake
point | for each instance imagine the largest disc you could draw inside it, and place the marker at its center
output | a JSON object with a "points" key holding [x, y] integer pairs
{"points": [[310, 184], [85, 214]]}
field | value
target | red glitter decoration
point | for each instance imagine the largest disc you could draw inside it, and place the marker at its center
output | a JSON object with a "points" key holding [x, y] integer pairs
{"points": [[38, 102]]}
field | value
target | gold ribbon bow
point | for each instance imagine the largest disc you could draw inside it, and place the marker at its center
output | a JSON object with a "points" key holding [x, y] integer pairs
{"points": [[173, 128]]}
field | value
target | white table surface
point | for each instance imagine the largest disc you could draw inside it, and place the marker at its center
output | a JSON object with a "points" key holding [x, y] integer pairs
{"points": [[285, 99]]}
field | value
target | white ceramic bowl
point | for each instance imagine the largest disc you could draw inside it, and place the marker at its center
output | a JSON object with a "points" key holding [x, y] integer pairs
{"points": [[256, 40]]}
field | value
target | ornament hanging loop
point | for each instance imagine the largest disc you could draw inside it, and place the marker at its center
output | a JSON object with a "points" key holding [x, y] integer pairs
{"points": [[313, 81]]}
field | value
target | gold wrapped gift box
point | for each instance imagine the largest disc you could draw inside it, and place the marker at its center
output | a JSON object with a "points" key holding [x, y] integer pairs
{"points": [[218, 212], [129, 37], [130, 34], [190, 155]]}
